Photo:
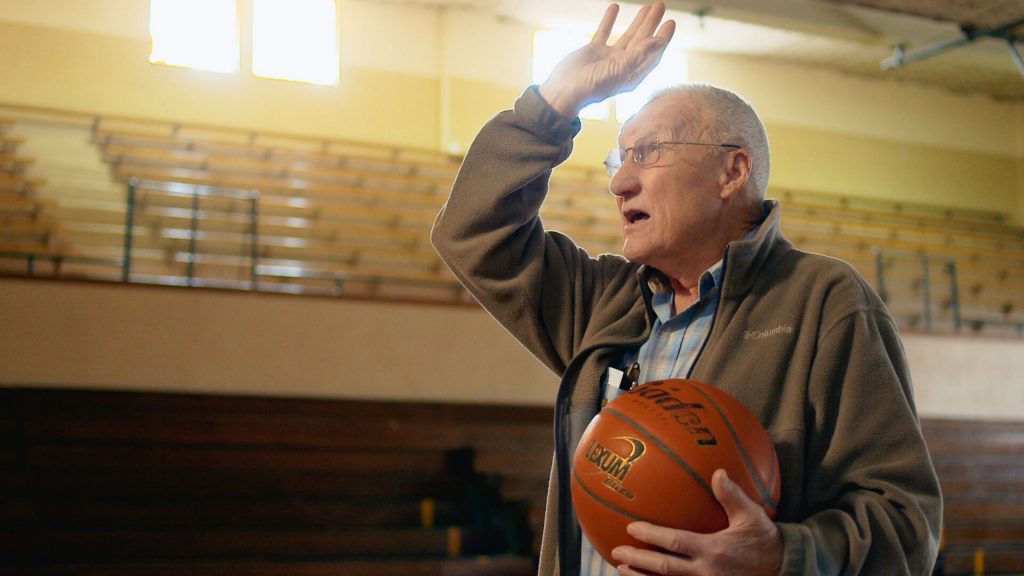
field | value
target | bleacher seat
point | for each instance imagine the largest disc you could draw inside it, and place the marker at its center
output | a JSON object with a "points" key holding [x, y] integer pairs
{"points": [[982, 479], [100, 482], [351, 218], [94, 482]]}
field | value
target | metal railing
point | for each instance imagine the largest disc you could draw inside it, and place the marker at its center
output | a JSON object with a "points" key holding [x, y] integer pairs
{"points": [[259, 267], [923, 260], [926, 263], [276, 274], [195, 192]]}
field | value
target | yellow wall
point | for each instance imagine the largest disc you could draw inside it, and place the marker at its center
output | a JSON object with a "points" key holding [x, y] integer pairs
{"points": [[806, 159], [438, 75], [429, 78], [166, 339], [1019, 214], [203, 341], [833, 102], [81, 71], [872, 138], [472, 104]]}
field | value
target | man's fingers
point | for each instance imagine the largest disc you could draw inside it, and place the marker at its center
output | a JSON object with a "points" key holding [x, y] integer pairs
{"points": [[647, 55], [651, 20], [666, 31], [604, 30], [738, 506], [598, 70], [654, 47], [624, 40], [671, 539], [630, 560], [674, 555]]}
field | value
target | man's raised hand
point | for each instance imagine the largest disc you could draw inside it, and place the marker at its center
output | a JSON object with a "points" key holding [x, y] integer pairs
{"points": [[597, 71]]}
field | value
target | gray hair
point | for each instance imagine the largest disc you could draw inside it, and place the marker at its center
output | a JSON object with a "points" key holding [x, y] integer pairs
{"points": [[728, 118]]}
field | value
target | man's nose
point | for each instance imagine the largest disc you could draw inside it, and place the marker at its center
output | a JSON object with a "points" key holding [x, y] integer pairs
{"points": [[625, 181]]}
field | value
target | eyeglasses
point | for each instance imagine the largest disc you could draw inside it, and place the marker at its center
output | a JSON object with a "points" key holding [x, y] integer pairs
{"points": [[646, 152]]}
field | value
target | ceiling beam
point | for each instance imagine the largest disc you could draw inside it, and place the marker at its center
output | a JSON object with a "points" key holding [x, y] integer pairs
{"points": [[805, 16], [901, 57], [1017, 59]]}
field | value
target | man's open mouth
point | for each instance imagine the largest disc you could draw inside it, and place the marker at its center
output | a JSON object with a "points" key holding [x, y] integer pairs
{"points": [[633, 217]]}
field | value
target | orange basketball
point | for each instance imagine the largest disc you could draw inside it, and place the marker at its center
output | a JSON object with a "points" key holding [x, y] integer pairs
{"points": [[649, 455]]}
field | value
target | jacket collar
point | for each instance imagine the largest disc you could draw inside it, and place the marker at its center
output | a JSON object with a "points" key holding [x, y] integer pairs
{"points": [[743, 260]]}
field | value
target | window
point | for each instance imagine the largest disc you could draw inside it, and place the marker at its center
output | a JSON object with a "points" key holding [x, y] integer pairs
{"points": [[295, 40], [669, 72], [550, 46], [291, 39], [200, 34]]}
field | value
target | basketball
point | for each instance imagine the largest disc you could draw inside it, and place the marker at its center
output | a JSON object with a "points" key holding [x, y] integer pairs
{"points": [[649, 456]]}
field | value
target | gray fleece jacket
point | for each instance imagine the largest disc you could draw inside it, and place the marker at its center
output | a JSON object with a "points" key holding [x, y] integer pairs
{"points": [[799, 338]]}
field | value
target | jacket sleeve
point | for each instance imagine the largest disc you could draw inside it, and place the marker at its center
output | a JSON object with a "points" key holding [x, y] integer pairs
{"points": [[870, 488], [539, 285]]}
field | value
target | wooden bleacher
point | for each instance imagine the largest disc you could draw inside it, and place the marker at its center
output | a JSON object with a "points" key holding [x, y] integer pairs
{"points": [[27, 224], [988, 256], [108, 483], [351, 218], [137, 483], [982, 475], [344, 221]]}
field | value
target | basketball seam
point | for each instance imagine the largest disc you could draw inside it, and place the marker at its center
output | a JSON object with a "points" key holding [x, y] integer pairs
{"points": [[664, 448], [602, 501], [766, 496]]}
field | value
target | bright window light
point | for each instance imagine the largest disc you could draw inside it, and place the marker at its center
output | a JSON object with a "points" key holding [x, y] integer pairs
{"points": [[200, 34], [549, 47], [669, 72], [295, 40]]}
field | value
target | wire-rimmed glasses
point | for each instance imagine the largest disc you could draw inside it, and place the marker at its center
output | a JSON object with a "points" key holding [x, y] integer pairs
{"points": [[646, 152]]}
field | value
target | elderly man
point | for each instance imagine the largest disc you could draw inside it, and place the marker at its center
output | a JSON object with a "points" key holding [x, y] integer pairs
{"points": [[710, 290]]}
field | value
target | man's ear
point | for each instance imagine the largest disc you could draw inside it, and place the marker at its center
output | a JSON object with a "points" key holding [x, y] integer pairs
{"points": [[735, 172]]}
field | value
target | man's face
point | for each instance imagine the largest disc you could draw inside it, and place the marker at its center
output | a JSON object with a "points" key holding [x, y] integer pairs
{"points": [[673, 208]]}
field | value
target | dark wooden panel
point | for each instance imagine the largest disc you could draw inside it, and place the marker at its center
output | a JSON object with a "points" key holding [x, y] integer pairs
{"points": [[964, 437], [25, 547], [282, 478], [10, 430], [204, 485], [981, 469], [984, 532], [362, 432], [183, 458], [260, 513], [997, 560], [971, 489], [482, 566], [79, 416], [144, 483], [1001, 510], [535, 463], [92, 402]]}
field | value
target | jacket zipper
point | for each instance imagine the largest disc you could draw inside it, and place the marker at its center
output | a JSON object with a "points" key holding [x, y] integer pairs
{"points": [[563, 463]]}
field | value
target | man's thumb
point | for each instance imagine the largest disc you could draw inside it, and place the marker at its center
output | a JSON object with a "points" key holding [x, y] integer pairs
{"points": [[738, 506]]}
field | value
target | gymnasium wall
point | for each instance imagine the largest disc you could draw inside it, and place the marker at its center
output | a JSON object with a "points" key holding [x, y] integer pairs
{"points": [[82, 70], [424, 78], [427, 78], [195, 340], [163, 339]]}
